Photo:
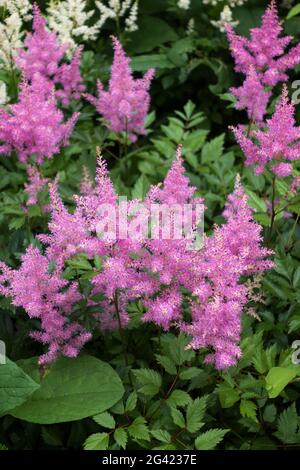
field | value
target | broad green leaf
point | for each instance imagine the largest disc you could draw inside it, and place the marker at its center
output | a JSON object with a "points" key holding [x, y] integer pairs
{"points": [[195, 414], [97, 441], [210, 439], [293, 11], [152, 32], [105, 419], [120, 436], [15, 386], [189, 373], [255, 201], [278, 378], [72, 389]]}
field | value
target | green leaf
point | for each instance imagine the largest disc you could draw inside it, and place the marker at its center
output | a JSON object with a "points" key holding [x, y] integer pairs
{"points": [[210, 439], [105, 419], [255, 201], [228, 396], [131, 402], [213, 150], [150, 381], [269, 413], [293, 11], [288, 426], [189, 373], [167, 364], [152, 32], [177, 417], [178, 398], [278, 378], [120, 436], [161, 435], [142, 63], [97, 441], [15, 386], [178, 349], [195, 414], [140, 188], [138, 429], [248, 409], [71, 389]]}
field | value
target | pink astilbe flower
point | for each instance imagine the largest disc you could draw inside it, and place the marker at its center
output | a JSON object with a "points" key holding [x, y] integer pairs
{"points": [[252, 96], [159, 272], [34, 125], [42, 55], [265, 50], [36, 183], [125, 105], [278, 145], [48, 297], [234, 250]]}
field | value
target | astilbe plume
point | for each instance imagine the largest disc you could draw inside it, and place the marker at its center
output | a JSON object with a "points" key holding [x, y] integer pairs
{"points": [[34, 125], [155, 275], [125, 105], [36, 183], [277, 145], [43, 54], [48, 297], [265, 49], [252, 96]]}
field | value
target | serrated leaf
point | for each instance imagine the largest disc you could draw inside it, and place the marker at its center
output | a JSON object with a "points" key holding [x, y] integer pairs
{"points": [[178, 349], [212, 151], [131, 402], [195, 414], [210, 439], [189, 373], [138, 429], [105, 419], [120, 436], [178, 417], [288, 426], [179, 398], [167, 364], [161, 435], [97, 441], [150, 381], [248, 409], [228, 396]]}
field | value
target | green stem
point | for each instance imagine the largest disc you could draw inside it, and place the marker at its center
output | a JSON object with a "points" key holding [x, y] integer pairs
{"points": [[273, 213]]}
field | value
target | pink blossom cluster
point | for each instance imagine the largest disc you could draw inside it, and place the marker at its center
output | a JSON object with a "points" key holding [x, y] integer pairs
{"points": [[43, 55], [263, 60], [160, 273], [277, 145], [34, 125], [125, 105]]}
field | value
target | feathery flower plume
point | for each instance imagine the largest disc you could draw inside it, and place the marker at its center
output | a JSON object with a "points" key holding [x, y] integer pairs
{"points": [[42, 55], [34, 125], [265, 50], [278, 145], [125, 105]]}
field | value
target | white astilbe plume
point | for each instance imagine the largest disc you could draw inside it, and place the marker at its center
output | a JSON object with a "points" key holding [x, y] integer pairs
{"points": [[3, 94], [116, 9], [69, 19], [21, 7], [184, 4], [231, 3], [225, 18], [10, 39]]}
